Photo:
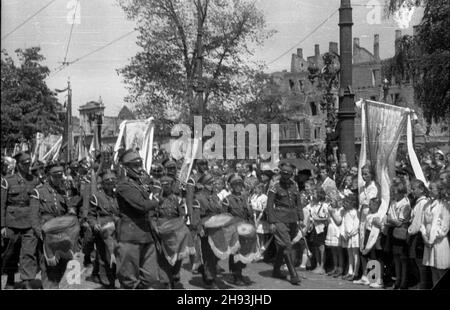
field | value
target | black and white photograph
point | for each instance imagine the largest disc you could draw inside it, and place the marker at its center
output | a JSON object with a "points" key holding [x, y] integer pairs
{"points": [[226, 146]]}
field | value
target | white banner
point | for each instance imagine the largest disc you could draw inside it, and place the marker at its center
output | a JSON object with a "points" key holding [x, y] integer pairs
{"points": [[137, 134], [382, 125]]}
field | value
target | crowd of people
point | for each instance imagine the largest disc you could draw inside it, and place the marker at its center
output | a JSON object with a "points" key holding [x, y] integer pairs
{"points": [[138, 228]]}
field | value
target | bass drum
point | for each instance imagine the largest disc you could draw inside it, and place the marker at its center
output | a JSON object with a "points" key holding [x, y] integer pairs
{"points": [[222, 234]]}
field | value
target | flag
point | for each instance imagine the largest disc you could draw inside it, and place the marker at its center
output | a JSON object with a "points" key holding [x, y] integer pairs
{"points": [[38, 143], [193, 146], [138, 135], [53, 153], [382, 126]]}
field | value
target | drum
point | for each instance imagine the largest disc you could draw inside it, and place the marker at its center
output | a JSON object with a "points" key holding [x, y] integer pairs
{"points": [[175, 239], [60, 234], [248, 243], [222, 234]]}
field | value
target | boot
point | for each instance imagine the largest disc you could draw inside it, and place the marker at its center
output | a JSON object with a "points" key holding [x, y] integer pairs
{"points": [[276, 273], [294, 279]]}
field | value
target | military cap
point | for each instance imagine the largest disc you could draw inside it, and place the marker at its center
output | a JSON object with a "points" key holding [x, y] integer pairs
{"points": [[235, 178], [55, 168], [108, 175], [286, 166], [206, 179], [130, 156], [169, 163], [269, 173], [22, 157], [166, 180]]}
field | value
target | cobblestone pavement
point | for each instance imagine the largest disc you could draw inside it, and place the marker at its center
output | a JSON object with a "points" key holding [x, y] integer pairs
{"points": [[258, 272]]}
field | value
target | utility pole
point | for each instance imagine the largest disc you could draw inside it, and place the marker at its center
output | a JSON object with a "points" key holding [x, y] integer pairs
{"points": [[69, 123], [346, 113]]}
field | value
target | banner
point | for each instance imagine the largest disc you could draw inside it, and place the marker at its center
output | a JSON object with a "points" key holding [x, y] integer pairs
{"points": [[53, 153], [382, 126], [192, 146], [137, 134]]}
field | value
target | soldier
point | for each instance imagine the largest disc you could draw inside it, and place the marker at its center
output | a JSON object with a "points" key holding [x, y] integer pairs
{"points": [[284, 213], [86, 235], [236, 205], [135, 254], [169, 207], [48, 202], [193, 211], [103, 213], [16, 222], [209, 205], [171, 171]]}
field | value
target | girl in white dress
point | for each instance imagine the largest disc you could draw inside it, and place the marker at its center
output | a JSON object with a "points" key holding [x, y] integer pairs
{"points": [[434, 229], [350, 235], [258, 202], [333, 238]]}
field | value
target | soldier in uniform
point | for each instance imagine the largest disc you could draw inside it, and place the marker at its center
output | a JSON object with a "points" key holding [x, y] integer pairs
{"points": [[135, 254], [87, 235], [48, 202], [284, 214], [171, 170], [193, 187], [16, 222], [169, 207], [209, 205], [236, 205], [103, 211]]}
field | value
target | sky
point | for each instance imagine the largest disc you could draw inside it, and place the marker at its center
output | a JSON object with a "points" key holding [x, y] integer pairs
{"points": [[98, 22]]}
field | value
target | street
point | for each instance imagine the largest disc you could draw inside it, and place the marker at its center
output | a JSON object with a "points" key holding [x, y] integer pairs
{"points": [[259, 273]]}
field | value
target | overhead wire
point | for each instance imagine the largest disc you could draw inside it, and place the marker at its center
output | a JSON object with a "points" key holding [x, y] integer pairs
{"points": [[71, 31], [27, 20], [304, 38]]}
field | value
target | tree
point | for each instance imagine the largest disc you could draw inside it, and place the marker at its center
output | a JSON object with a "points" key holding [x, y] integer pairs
{"points": [[27, 105], [164, 73], [426, 57]]}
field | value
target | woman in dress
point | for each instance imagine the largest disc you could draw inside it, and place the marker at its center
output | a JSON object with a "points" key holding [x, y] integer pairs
{"points": [[434, 229]]}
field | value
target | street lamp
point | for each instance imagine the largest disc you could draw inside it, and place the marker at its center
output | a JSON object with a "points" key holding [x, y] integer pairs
{"points": [[386, 86]]}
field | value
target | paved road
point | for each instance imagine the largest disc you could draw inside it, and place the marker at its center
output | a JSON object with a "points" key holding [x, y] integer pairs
{"points": [[259, 273]]}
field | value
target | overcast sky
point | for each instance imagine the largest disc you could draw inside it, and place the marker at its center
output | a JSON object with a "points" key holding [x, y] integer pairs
{"points": [[102, 21]]}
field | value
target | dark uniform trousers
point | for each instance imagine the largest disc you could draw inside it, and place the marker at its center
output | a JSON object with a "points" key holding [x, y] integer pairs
{"points": [[169, 208], [209, 205], [135, 253], [284, 211], [16, 217], [237, 206], [103, 209], [47, 203]]}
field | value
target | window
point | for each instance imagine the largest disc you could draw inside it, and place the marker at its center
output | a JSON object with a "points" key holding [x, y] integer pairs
{"points": [[397, 99], [292, 131], [291, 84], [317, 133], [373, 98], [300, 82], [313, 106], [375, 75]]}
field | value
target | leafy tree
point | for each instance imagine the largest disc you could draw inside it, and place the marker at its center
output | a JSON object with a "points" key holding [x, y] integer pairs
{"points": [[164, 73], [426, 57], [27, 105]]}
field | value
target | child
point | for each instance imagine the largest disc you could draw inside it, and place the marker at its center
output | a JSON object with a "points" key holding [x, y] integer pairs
{"points": [[258, 202], [350, 235], [333, 240], [376, 252], [319, 216], [399, 215]]}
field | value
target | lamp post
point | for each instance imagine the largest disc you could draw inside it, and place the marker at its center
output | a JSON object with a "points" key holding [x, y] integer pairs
{"points": [[386, 86]]}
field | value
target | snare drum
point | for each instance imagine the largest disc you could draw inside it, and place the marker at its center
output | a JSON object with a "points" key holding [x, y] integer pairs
{"points": [[175, 238], [248, 241], [222, 234], [61, 233]]}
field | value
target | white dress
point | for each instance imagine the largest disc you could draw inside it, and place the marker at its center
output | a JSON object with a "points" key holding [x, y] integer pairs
{"points": [[435, 225], [334, 231], [259, 203], [367, 193], [350, 228]]}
